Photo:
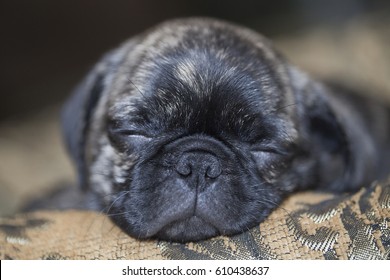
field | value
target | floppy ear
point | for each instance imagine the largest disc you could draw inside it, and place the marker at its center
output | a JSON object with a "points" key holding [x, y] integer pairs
{"points": [[323, 129], [318, 113], [79, 109]]}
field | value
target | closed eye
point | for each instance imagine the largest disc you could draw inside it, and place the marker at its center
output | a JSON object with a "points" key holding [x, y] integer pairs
{"points": [[264, 155], [264, 150], [131, 132], [269, 149], [128, 138]]}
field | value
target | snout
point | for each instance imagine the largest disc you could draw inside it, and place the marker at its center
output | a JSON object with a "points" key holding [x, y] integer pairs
{"points": [[193, 189], [202, 188], [198, 161]]}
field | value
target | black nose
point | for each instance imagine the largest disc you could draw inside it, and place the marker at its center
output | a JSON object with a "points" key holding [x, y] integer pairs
{"points": [[199, 163]]}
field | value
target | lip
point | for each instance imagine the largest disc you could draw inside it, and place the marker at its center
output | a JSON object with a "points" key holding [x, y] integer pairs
{"points": [[193, 228]]}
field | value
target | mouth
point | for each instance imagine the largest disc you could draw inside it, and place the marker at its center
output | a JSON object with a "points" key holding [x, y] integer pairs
{"points": [[175, 224], [190, 229]]}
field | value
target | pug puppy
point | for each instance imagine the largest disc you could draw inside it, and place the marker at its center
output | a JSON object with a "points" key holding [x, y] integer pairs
{"points": [[198, 128]]}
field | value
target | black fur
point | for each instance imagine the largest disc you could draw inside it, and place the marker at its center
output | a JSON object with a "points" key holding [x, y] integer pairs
{"points": [[199, 128]]}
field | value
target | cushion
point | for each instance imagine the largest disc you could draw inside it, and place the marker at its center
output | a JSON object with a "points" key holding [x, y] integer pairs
{"points": [[308, 225]]}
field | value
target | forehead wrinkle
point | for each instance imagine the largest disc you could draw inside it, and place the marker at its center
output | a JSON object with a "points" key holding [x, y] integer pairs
{"points": [[199, 72]]}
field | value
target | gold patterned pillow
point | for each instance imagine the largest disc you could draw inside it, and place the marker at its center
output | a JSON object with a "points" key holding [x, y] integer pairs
{"points": [[309, 225]]}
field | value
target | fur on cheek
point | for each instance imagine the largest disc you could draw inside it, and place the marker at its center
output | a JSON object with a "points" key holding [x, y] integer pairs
{"points": [[110, 168]]}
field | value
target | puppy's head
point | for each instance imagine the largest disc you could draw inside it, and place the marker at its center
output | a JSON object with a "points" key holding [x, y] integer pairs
{"points": [[190, 130]]}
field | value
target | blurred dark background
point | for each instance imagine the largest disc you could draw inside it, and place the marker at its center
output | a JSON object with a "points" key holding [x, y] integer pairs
{"points": [[47, 46]]}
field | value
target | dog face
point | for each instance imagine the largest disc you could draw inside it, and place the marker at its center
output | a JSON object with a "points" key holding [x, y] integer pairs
{"points": [[198, 128]]}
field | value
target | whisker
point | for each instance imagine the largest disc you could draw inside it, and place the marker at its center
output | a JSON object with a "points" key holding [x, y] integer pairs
{"points": [[115, 200], [130, 81], [117, 214], [282, 107], [278, 206]]}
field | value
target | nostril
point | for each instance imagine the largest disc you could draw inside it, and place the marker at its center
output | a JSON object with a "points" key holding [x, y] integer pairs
{"points": [[214, 170], [185, 165], [184, 169]]}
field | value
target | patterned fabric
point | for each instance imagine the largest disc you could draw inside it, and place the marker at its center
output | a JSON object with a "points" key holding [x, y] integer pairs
{"points": [[308, 225]]}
